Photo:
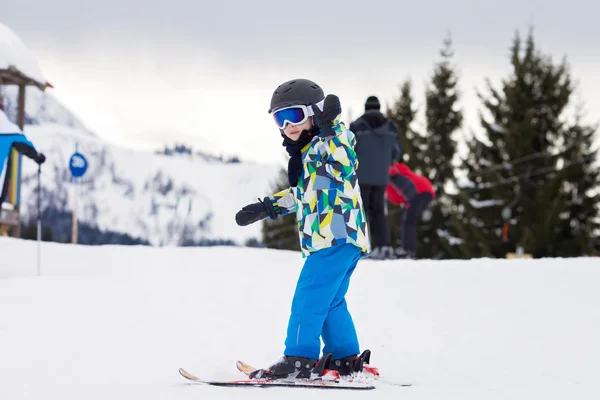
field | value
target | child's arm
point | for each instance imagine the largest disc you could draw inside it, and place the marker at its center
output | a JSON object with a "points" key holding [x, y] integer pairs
{"points": [[282, 203], [338, 143], [339, 155]]}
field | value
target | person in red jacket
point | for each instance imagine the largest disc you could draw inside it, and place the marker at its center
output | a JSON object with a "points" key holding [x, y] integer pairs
{"points": [[416, 191]]}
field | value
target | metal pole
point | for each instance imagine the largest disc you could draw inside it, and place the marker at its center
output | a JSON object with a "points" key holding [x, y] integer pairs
{"points": [[39, 221], [74, 227], [21, 125]]}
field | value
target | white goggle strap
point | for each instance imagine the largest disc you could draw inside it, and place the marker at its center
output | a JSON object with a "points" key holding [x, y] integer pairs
{"points": [[309, 110]]}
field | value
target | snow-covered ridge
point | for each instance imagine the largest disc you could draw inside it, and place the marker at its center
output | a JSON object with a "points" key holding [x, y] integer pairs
{"points": [[164, 200]]}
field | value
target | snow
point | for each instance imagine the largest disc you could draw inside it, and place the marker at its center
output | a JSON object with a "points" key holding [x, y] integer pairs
{"points": [[484, 162], [137, 192], [117, 322], [40, 107], [452, 240], [7, 127], [477, 222], [485, 203], [497, 128], [464, 183], [14, 53]]}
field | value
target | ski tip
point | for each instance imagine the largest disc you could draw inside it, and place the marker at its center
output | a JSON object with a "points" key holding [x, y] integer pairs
{"points": [[243, 367], [187, 375]]}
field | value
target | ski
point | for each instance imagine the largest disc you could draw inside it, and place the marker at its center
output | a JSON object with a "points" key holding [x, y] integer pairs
{"points": [[371, 372], [266, 383], [322, 378]]}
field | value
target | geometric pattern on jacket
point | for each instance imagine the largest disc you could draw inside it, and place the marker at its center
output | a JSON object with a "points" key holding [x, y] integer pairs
{"points": [[327, 201]]}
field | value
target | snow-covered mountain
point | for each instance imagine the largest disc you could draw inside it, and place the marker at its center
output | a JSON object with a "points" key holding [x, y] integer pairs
{"points": [[40, 108], [159, 199]]}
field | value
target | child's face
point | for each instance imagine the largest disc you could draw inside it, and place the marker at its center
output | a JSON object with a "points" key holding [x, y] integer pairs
{"points": [[293, 131]]}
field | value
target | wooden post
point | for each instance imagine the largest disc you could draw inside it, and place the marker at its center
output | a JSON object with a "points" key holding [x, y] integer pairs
{"points": [[21, 107], [75, 224], [3, 228], [1, 98], [21, 125]]}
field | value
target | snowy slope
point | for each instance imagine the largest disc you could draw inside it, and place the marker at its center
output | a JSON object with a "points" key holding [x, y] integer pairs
{"points": [[162, 199], [117, 322]]}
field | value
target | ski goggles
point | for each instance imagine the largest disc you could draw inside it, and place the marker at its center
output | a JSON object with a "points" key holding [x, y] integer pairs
{"points": [[294, 115]]}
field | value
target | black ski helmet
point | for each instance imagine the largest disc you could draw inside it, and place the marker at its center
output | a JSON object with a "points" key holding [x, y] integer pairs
{"points": [[296, 92]]}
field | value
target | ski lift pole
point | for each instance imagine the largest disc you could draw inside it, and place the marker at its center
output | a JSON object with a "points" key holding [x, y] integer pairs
{"points": [[39, 219]]}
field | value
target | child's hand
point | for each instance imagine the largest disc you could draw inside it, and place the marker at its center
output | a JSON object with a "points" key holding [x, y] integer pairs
{"points": [[324, 119], [255, 212]]}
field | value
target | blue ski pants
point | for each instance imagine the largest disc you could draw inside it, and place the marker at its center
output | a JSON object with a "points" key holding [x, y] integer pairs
{"points": [[319, 308]]}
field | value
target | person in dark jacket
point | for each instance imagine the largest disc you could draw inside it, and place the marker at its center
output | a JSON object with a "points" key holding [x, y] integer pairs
{"points": [[377, 147], [416, 192]]}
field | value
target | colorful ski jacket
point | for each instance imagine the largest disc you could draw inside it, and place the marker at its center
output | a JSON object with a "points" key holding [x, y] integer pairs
{"points": [[327, 200]]}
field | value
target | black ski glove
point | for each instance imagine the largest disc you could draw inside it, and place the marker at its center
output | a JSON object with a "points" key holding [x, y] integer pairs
{"points": [[40, 158], [256, 211], [324, 119]]}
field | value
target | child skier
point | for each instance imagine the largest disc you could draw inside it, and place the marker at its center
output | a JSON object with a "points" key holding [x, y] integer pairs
{"points": [[416, 191], [325, 196]]}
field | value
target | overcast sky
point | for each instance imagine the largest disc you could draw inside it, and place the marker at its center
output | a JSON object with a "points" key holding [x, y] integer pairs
{"points": [[142, 74]]}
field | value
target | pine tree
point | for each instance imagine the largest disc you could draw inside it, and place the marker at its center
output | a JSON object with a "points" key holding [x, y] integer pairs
{"points": [[443, 119], [578, 233], [281, 233], [403, 115], [532, 179]]}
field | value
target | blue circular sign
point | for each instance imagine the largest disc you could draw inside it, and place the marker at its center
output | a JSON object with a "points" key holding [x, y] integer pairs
{"points": [[78, 164]]}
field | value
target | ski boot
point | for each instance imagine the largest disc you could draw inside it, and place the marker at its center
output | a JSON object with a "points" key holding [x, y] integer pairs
{"points": [[366, 364], [291, 367], [400, 253], [377, 253], [354, 364], [322, 370]]}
